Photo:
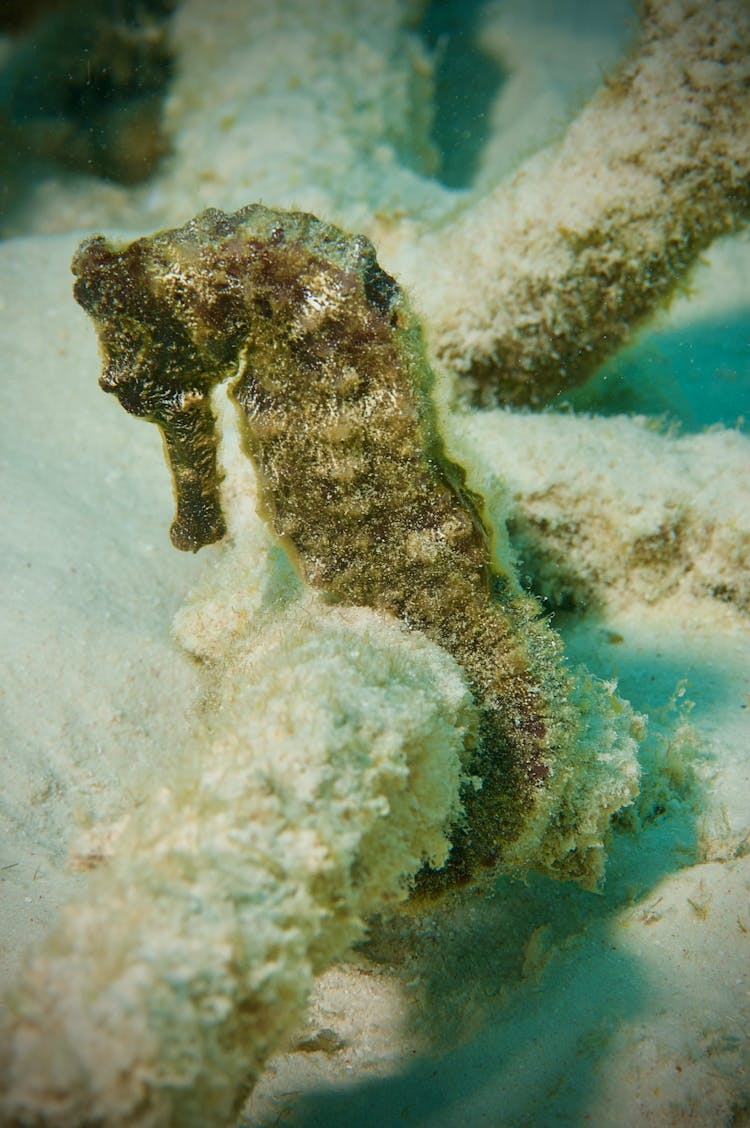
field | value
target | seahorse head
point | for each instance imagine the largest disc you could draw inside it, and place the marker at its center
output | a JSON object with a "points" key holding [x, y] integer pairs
{"points": [[286, 303]]}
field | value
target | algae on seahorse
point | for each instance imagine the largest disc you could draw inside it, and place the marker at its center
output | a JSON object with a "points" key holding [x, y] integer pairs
{"points": [[328, 372]]}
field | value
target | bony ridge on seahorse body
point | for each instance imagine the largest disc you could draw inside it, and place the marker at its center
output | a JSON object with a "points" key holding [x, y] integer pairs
{"points": [[328, 372]]}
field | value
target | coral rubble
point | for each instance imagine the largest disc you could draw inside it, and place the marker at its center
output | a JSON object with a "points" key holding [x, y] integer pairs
{"points": [[535, 284], [160, 994], [610, 539]]}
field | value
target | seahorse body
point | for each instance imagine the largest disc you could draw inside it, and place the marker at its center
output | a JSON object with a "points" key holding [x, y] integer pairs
{"points": [[329, 374]]}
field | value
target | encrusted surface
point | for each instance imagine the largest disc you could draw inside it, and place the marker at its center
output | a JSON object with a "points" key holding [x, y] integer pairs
{"points": [[532, 287]]}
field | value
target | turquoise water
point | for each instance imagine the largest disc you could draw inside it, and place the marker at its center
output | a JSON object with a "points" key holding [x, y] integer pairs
{"points": [[694, 376]]}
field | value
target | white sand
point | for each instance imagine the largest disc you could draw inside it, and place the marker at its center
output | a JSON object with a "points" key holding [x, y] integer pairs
{"points": [[89, 584]]}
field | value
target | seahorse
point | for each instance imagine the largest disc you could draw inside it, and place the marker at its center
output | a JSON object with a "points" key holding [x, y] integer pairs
{"points": [[327, 367]]}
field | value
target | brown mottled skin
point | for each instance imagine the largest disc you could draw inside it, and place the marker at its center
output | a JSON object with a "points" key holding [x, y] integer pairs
{"points": [[329, 375]]}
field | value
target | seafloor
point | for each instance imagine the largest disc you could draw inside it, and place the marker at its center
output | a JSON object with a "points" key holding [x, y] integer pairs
{"points": [[541, 1003]]}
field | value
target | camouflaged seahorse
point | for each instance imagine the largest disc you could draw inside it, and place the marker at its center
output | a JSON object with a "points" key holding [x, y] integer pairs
{"points": [[327, 368]]}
